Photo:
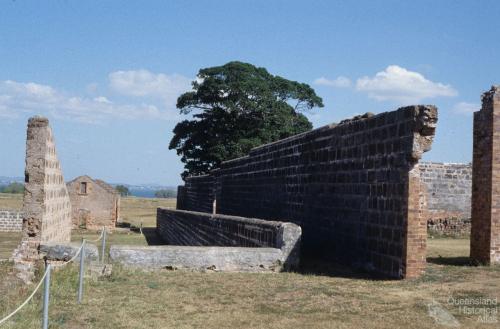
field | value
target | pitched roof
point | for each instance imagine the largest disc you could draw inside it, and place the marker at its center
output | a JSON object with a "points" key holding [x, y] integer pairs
{"points": [[99, 182]]}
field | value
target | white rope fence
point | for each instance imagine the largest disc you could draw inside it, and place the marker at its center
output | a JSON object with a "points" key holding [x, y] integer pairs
{"points": [[72, 258], [100, 236], [27, 299], [46, 278]]}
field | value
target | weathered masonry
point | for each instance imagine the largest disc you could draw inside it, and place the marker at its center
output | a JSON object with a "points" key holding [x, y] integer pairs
{"points": [[189, 228], [449, 188], [448, 195], [46, 205], [10, 220], [198, 194], [203, 241], [353, 187], [485, 231], [95, 204]]}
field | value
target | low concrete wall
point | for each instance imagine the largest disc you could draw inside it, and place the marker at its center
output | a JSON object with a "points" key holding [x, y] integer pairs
{"points": [[230, 259], [189, 228], [202, 241], [11, 220]]}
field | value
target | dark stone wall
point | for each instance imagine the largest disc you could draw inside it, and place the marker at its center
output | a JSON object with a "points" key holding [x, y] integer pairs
{"points": [[449, 189], [190, 228], [352, 187], [197, 194]]}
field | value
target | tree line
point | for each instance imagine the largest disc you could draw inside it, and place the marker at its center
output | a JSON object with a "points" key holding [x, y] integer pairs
{"points": [[15, 188]]}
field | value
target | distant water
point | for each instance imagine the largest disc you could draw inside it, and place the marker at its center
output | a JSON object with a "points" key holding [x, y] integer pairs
{"points": [[142, 193]]}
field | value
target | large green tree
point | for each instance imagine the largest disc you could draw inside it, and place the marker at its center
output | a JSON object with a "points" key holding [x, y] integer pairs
{"points": [[234, 108]]}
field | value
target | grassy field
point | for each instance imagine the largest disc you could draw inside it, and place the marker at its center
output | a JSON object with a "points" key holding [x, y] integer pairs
{"points": [[177, 299], [313, 297], [11, 201], [133, 212]]}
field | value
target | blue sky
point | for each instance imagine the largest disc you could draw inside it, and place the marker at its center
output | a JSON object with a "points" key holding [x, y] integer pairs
{"points": [[107, 73]]}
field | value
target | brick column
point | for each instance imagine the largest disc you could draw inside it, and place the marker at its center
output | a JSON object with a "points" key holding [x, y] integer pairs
{"points": [[485, 230]]}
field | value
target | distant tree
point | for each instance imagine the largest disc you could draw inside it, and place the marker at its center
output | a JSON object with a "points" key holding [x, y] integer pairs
{"points": [[123, 190], [15, 188], [239, 106], [165, 194]]}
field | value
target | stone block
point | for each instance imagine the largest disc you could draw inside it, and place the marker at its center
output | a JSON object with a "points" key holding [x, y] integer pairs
{"points": [[224, 259], [64, 252]]}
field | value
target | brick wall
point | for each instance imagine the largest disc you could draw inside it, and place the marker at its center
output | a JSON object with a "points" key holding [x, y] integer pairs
{"points": [[485, 230], [189, 228], [449, 189], [354, 188], [46, 205], [10, 220]]}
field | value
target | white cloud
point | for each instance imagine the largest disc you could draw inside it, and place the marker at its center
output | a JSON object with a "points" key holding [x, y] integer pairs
{"points": [[398, 84], [339, 82], [102, 99], [143, 83], [18, 97], [466, 108]]}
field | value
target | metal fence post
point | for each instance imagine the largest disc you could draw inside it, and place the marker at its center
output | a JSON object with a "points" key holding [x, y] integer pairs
{"points": [[82, 262], [103, 249], [46, 293]]}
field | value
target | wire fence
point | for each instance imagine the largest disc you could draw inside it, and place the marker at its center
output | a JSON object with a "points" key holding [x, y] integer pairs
{"points": [[46, 279]]}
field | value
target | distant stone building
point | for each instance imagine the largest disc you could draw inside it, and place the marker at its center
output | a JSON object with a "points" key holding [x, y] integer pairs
{"points": [[95, 203]]}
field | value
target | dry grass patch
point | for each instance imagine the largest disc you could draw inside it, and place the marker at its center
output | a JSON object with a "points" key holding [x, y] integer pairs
{"points": [[11, 201], [135, 299], [179, 299], [8, 242], [136, 210]]}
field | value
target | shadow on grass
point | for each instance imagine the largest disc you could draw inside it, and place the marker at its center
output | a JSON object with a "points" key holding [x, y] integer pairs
{"points": [[150, 235], [123, 224], [152, 239], [454, 261], [334, 269]]}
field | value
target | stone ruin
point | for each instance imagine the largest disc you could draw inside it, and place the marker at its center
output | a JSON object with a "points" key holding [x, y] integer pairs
{"points": [[485, 231], [448, 194], [46, 205], [95, 203], [359, 193], [352, 192], [208, 242], [354, 188]]}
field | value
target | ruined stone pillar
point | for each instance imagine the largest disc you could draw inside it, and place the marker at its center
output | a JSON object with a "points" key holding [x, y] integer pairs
{"points": [[46, 205], [485, 212]]}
